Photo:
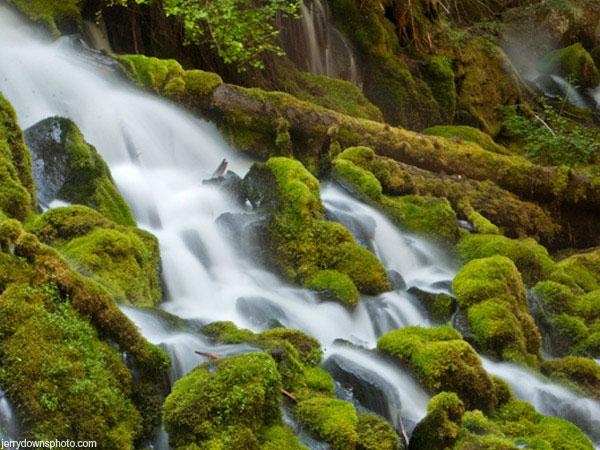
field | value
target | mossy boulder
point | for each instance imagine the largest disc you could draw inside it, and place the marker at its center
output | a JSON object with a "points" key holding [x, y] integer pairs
{"points": [[359, 170], [302, 244], [574, 63], [581, 271], [17, 192], [55, 318], [531, 258], [124, 260], [469, 134], [330, 419], [168, 78], [491, 293], [70, 169], [439, 306], [224, 403], [439, 429], [442, 361], [296, 354], [54, 14], [583, 373], [374, 433]]}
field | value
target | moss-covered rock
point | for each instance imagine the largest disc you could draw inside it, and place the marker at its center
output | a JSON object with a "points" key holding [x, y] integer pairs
{"points": [[166, 77], [295, 353], [439, 306], [62, 341], [469, 134], [224, 402], [54, 14], [439, 429], [442, 361], [491, 293], [584, 373], [580, 271], [17, 192], [332, 420], [72, 170], [125, 260], [531, 258], [374, 433], [302, 244], [574, 63]]}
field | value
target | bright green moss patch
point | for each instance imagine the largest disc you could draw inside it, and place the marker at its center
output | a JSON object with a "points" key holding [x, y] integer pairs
{"points": [[358, 179], [493, 296], [442, 361], [574, 63], [124, 260], [580, 271], [50, 12], [225, 400], [85, 177], [584, 373], [531, 258], [332, 420], [166, 77], [440, 428], [279, 437], [302, 243], [469, 134], [374, 433], [17, 192], [54, 367]]}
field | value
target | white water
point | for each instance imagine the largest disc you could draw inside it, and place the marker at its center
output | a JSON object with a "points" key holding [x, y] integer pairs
{"points": [[315, 45], [159, 155], [8, 424], [549, 398]]}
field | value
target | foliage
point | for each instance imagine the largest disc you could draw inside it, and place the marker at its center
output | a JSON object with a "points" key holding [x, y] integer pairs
{"points": [[555, 141], [240, 30]]}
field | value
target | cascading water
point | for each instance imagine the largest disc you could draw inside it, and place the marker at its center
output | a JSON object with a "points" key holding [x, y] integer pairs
{"points": [[315, 45], [8, 423], [159, 156]]}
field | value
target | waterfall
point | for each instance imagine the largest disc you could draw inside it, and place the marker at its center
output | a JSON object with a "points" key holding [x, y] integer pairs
{"points": [[316, 46], [159, 154], [8, 424]]}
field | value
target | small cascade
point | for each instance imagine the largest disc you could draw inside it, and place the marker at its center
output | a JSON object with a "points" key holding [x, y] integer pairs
{"points": [[8, 423], [549, 398], [316, 46]]}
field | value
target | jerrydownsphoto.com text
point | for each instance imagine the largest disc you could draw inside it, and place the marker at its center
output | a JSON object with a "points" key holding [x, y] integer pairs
{"points": [[56, 443]]}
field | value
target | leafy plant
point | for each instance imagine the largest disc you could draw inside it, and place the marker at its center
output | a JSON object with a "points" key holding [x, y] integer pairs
{"points": [[551, 138], [240, 30]]}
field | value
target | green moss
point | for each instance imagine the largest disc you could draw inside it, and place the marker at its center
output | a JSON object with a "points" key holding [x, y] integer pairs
{"points": [[469, 134], [442, 361], [17, 192], [480, 223], [54, 367], [336, 286], [584, 373], [318, 380], [62, 340], [335, 94], [439, 306], [279, 437], [358, 179], [122, 259], [374, 433], [332, 420], [588, 306], [301, 243], [570, 330], [87, 178], [531, 258], [439, 429], [572, 62], [581, 271], [219, 400], [493, 296], [51, 13], [440, 78], [166, 77], [556, 298]]}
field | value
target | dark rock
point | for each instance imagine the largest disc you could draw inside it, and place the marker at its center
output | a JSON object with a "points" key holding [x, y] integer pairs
{"points": [[230, 183], [440, 306], [397, 280], [260, 311]]}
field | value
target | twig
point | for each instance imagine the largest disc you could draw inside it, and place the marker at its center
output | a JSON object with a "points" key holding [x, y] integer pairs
{"points": [[403, 431], [289, 395], [545, 124]]}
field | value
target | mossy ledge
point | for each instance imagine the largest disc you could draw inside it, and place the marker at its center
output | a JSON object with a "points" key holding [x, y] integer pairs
{"points": [[304, 246], [52, 316]]}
